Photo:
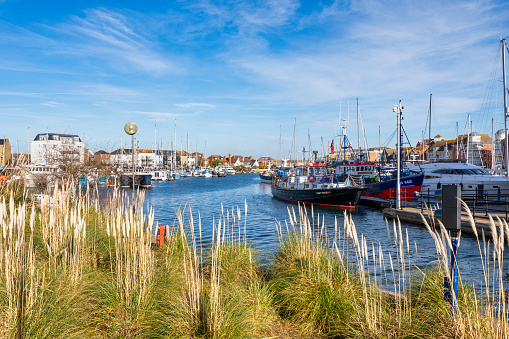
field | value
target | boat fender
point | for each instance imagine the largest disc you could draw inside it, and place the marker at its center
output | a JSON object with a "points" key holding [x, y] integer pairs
{"points": [[312, 178]]}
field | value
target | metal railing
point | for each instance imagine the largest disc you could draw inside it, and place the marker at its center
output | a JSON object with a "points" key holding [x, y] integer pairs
{"points": [[481, 201]]}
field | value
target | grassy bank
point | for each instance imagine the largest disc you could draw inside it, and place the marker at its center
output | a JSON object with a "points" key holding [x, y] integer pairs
{"points": [[84, 266]]}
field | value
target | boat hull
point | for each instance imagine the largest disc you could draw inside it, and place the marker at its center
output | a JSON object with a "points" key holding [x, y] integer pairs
{"points": [[143, 180], [265, 178], [344, 197], [387, 189]]}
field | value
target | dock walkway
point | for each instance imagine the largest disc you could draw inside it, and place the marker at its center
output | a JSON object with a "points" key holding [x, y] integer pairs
{"points": [[413, 215]]}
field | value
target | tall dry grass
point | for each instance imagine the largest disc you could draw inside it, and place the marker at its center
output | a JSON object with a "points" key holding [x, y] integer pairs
{"points": [[341, 285], [83, 265], [223, 293]]}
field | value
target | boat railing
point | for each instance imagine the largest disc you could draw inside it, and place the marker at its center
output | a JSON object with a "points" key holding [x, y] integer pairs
{"points": [[355, 181]]}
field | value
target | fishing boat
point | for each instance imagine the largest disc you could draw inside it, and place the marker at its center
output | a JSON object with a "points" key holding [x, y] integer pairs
{"points": [[381, 182], [267, 175], [313, 185]]}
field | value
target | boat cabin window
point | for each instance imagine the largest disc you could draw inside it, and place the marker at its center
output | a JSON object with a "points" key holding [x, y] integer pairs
{"points": [[317, 170], [446, 171], [301, 171], [472, 171]]}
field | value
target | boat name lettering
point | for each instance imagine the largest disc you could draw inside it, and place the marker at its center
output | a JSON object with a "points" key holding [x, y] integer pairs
{"points": [[323, 192]]}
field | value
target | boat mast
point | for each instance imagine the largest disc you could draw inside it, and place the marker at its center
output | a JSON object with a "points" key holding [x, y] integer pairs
{"points": [[175, 145], [280, 156], [358, 133], [457, 141], [294, 144], [505, 110], [155, 145], [468, 139], [397, 110], [429, 129], [492, 144]]}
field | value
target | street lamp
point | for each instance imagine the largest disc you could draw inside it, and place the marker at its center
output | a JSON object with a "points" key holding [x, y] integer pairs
{"points": [[131, 129]]}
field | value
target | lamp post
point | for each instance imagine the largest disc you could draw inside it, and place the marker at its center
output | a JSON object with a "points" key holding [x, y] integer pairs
{"points": [[131, 129]]}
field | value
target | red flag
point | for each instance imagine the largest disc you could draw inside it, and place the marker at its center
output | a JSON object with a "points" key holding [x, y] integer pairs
{"points": [[332, 147]]}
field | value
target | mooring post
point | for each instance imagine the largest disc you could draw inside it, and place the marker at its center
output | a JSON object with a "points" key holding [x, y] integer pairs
{"points": [[161, 235], [450, 214], [486, 202]]}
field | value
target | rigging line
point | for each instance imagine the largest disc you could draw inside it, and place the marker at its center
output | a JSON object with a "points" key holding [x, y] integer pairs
{"points": [[483, 120], [411, 148], [426, 126], [389, 140]]}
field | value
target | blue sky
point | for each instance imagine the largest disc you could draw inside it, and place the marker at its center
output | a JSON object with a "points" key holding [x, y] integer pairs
{"points": [[233, 73]]}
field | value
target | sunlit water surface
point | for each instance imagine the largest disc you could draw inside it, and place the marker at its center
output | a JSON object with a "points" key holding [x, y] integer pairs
{"points": [[212, 197]]}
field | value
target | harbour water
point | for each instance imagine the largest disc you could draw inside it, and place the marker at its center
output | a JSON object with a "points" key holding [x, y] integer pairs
{"points": [[210, 197]]}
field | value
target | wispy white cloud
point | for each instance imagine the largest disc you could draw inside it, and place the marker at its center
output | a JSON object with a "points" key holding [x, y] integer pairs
{"points": [[52, 104], [380, 51], [117, 38], [159, 116], [195, 104]]}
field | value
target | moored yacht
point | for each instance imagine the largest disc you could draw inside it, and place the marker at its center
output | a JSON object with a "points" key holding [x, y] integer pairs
{"points": [[471, 178], [228, 170]]}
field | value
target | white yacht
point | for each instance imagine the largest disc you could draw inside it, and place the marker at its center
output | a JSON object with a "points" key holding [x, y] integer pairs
{"points": [[206, 174], [471, 178], [159, 175], [228, 170]]}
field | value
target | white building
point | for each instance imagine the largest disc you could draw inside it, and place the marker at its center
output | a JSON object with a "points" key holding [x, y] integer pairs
{"points": [[142, 158], [57, 149]]}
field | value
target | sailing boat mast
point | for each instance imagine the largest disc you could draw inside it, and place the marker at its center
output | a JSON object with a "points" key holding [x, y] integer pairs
{"points": [[505, 110], [280, 156], [294, 144], [429, 129], [358, 133], [468, 139], [175, 145], [155, 146], [492, 144]]}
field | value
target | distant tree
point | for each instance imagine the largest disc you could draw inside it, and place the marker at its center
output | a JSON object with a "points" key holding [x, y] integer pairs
{"points": [[241, 168], [216, 163], [201, 163]]}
